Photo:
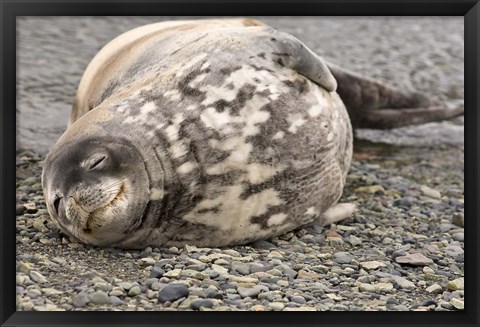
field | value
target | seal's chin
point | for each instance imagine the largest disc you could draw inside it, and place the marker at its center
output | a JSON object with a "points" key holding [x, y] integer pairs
{"points": [[98, 214], [118, 201]]}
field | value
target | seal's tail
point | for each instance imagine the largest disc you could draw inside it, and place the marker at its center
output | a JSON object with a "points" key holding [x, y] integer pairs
{"points": [[373, 104]]}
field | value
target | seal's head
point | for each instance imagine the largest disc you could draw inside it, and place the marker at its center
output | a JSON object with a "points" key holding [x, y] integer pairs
{"points": [[96, 190]]}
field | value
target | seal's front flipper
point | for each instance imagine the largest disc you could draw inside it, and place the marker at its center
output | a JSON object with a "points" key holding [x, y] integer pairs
{"points": [[338, 212], [292, 53], [373, 104]]}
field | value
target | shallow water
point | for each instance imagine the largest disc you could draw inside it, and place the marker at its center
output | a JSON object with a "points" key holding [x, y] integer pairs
{"points": [[410, 52]]}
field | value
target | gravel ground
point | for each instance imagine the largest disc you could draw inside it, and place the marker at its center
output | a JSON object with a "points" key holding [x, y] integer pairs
{"points": [[402, 250]]}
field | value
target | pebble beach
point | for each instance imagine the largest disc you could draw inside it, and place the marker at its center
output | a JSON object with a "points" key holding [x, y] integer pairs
{"points": [[402, 250]]}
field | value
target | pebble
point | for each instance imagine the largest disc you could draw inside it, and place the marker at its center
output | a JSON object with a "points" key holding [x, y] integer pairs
{"points": [[102, 287], [453, 250], [148, 261], [155, 286], [126, 285], [370, 189], [175, 273], [376, 288], [459, 237], [114, 300], [172, 292], [458, 219], [30, 207], [264, 245], [430, 192], [199, 303], [298, 299], [23, 267], [20, 209], [402, 282], [219, 269], [80, 300], [456, 284], [415, 259], [276, 306], [240, 267], [135, 290], [342, 257], [435, 288], [251, 291], [353, 240], [457, 303], [371, 265], [156, 272], [303, 274], [37, 277], [99, 298]]}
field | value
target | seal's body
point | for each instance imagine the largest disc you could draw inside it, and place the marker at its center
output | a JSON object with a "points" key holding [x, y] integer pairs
{"points": [[210, 133]]}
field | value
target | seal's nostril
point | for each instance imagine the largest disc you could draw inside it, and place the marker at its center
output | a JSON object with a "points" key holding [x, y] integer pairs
{"points": [[56, 203], [96, 162]]}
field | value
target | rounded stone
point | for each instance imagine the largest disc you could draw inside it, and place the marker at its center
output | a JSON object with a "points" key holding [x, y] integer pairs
{"points": [[99, 298], [198, 303], [135, 290], [276, 306], [173, 292], [342, 257]]}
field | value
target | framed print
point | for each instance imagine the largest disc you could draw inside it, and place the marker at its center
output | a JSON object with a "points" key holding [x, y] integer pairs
{"points": [[223, 163]]}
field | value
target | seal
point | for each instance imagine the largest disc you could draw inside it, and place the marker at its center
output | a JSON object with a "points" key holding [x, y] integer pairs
{"points": [[212, 133]]}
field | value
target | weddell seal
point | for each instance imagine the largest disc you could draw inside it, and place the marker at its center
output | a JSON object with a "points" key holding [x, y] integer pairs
{"points": [[212, 133]]}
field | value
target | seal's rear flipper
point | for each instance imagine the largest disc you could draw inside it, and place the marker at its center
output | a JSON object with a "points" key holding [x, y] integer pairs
{"points": [[337, 212], [392, 118], [373, 104]]}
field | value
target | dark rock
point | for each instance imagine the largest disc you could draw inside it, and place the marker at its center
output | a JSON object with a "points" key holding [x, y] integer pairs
{"points": [[172, 293], [198, 303], [156, 272], [263, 245], [20, 210]]}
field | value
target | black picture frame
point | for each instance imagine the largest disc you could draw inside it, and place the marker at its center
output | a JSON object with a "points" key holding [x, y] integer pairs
{"points": [[11, 9]]}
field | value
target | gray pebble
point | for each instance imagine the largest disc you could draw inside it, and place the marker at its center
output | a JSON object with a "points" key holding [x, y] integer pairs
{"points": [[156, 272], [80, 300], [240, 267], [20, 210], [135, 290], [99, 297], [264, 245], [37, 277], [342, 257], [415, 259], [114, 300], [458, 219], [458, 237], [298, 299], [198, 303], [172, 292], [251, 291]]}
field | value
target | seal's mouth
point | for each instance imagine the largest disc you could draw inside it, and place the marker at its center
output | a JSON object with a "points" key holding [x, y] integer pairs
{"points": [[93, 214]]}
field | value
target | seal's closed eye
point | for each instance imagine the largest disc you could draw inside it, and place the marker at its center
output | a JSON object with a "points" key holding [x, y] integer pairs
{"points": [[96, 162]]}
